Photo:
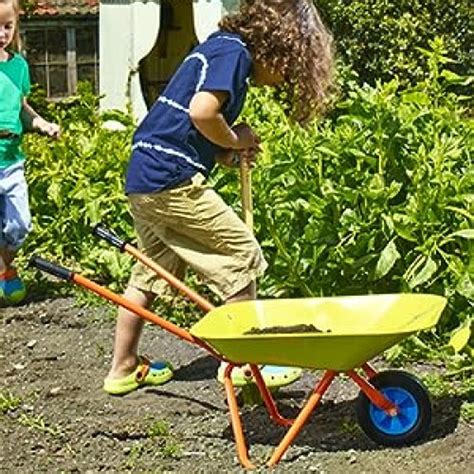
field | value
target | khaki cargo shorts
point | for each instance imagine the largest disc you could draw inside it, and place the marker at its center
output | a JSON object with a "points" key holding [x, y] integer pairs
{"points": [[191, 225]]}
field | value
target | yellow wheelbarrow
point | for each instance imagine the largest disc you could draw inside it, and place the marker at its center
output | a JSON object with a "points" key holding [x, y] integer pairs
{"points": [[334, 334]]}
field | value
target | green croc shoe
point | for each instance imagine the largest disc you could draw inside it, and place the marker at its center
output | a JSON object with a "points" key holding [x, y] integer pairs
{"points": [[147, 373], [273, 375]]}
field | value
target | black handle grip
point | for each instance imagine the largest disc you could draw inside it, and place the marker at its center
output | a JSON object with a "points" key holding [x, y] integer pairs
{"points": [[52, 268], [109, 237]]}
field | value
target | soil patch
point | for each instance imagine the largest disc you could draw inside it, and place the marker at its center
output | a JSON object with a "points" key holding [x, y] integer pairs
{"points": [[54, 355], [298, 328]]}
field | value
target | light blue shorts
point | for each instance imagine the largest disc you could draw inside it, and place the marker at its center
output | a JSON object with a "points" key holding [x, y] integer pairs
{"points": [[15, 217]]}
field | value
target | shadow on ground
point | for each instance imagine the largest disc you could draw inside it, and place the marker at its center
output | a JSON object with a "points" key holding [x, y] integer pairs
{"points": [[333, 426], [202, 368]]}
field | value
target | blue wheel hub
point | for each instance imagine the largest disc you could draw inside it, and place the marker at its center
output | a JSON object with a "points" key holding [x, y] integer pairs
{"points": [[404, 421]]}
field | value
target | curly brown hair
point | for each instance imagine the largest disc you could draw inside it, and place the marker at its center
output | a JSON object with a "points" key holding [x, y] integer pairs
{"points": [[288, 37]]}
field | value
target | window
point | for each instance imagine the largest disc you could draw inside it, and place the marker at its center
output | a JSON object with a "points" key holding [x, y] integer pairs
{"points": [[61, 54]]}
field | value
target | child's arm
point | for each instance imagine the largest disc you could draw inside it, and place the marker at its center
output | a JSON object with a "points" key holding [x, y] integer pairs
{"points": [[206, 116], [34, 121]]}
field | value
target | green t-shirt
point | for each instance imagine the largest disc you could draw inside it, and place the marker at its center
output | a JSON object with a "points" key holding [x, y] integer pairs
{"points": [[14, 87]]}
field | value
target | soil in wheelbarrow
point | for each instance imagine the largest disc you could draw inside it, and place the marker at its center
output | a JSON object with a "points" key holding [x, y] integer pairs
{"points": [[296, 329], [54, 416]]}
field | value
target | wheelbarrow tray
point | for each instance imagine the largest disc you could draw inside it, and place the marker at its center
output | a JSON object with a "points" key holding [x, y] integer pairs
{"points": [[350, 330]]}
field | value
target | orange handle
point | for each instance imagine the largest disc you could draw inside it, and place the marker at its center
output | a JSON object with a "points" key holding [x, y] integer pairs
{"points": [[124, 246], [204, 304]]}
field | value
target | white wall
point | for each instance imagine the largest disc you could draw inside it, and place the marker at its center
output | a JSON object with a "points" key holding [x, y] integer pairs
{"points": [[128, 31], [207, 14]]}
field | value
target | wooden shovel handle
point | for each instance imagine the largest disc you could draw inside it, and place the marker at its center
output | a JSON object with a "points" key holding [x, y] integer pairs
{"points": [[246, 193], [247, 204]]}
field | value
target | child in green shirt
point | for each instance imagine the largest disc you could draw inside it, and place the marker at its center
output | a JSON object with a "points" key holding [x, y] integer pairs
{"points": [[15, 115]]}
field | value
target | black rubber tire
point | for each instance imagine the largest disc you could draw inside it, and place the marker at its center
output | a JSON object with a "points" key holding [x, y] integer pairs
{"points": [[412, 385]]}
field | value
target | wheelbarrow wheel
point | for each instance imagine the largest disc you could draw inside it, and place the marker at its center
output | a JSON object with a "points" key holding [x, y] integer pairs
{"points": [[413, 419]]}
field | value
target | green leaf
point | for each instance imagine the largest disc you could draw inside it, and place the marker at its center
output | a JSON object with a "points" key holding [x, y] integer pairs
{"points": [[416, 97], [454, 78], [460, 337], [393, 353], [326, 151], [465, 234], [465, 287], [429, 268], [387, 260], [404, 227], [463, 212]]}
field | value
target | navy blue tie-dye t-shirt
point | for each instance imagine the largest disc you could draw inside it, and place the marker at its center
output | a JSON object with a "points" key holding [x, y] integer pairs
{"points": [[167, 148]]}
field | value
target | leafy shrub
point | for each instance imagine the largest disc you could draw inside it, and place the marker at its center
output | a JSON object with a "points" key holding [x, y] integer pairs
{"points": [[377, 199], [380, 39], [76, 182]]}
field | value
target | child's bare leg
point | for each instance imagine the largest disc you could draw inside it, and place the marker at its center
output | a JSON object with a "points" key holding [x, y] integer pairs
{"points": [[127, 334], [6, 258]]}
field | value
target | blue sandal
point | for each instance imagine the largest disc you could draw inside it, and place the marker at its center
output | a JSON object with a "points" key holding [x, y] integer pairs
{"points": [[12, 288]]}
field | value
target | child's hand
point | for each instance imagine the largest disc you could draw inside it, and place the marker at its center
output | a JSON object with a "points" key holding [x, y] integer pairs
{"points": [[250, 155], [247, 138], [229, 158], [232, 158], [48, 128]]}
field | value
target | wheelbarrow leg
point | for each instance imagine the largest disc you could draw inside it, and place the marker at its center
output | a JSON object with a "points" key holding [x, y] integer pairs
{"points": [[302, 417], [268, 399], [374, 395], [369, 370], [235, 420]]}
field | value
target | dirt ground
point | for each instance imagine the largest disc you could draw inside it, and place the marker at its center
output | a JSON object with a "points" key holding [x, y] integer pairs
{"points": [[54, 355]]}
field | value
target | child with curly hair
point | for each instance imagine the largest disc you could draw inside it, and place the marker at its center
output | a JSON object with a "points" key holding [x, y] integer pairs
{"points": [[180, 221]]}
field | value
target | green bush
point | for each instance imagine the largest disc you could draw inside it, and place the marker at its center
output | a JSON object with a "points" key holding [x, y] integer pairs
{"points": [[376, 198], [76, 182], [380, 39]]}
